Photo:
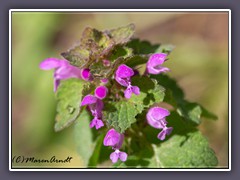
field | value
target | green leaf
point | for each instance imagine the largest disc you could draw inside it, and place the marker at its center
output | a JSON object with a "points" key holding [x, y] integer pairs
{"points": [[94, 45], [192, 112], [171, 85], [84, 137], [96, 41], [117, 56], [136, 60], [77, 56], [120, 115], [97, 69], [143, 47], [94, 159], [120, 51], [167, 48], [123, 34], [150, 92], [132, 162], [69, 96], [186, 147], [140, 146], [208, 114]]}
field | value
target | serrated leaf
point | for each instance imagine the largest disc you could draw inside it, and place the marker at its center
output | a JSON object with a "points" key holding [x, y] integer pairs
{"points": [[143, 47], [84, 137], [123, 34], [93, 45], [186, 147], [77, 56], [69, 96], [184, 152], [150, 92], [120, 115], [96, 41]]}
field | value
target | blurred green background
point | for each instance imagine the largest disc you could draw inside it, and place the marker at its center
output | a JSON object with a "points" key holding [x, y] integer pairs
{"points": [[199, 63]]}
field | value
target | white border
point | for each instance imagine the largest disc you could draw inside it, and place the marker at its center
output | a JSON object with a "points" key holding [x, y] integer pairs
{"points": [[120, 11]]}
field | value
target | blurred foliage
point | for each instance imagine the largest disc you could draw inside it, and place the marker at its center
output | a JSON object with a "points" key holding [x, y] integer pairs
{"points": [[199, 62]]}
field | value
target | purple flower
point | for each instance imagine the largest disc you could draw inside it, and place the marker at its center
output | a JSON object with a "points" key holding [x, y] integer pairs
{"points": [[86, 75], [123, 77], [115, 140], [114, 156], [131, 89], [164, 132], [97, 123], [154, 63], [88, 99], [124, 71], [156, 118], [96, 105], [101, 92], [63, 70]]}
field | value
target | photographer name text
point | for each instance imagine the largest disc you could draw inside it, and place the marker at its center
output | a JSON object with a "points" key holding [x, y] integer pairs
{"points": [[53, 159]]}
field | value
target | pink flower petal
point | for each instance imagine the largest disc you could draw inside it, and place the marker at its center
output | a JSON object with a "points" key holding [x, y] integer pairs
{"points": [[52, 63], [88, 99], [124, 71], [101, 92], [123, 156], [156, 117], [86, 75], [154, 63], [97, 123], [156, 59], [112, 138], [164, 132], [128, 93], [123, 82], [114, 157], [135, 90], [158, 113]]}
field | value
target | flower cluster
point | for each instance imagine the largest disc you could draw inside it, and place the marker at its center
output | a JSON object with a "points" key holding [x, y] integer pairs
{"points": [[63, 70], [154, 63], [96, 105], [115, 140], [123, 77], [156, 116]]}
